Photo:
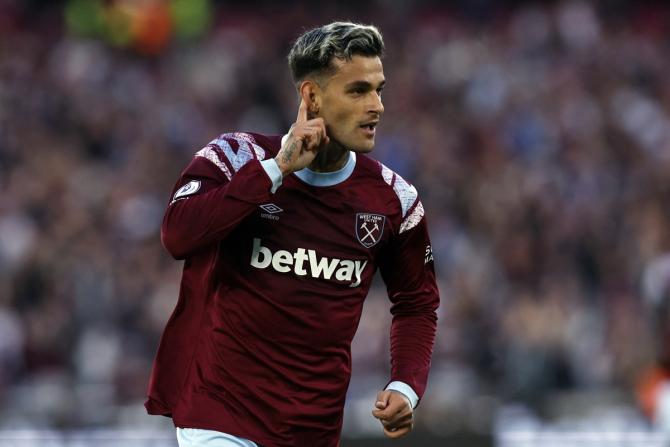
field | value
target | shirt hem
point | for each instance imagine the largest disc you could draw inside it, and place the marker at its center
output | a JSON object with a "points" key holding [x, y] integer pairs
{"points": [[185, 423]]}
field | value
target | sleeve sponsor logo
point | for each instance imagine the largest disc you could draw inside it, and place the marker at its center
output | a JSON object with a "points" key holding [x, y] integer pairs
{"points": [[188, 189], [429, 254]]}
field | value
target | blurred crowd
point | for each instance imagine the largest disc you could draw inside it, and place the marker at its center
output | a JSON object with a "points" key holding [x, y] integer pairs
{"points": [[538, 136]]}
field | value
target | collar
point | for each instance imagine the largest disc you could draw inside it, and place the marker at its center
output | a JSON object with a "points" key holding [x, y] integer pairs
{"points": [[326, 178]]}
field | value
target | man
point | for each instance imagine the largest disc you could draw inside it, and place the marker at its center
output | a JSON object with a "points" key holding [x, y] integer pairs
{"points": [[281, 238]]}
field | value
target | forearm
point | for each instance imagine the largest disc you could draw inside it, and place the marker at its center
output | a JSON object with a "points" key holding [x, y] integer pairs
{"points": [[413, 331], [412, 341], [209, 217]]}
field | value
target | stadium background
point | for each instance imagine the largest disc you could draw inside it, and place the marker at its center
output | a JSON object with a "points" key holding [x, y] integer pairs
{"points": [[536, 132]]}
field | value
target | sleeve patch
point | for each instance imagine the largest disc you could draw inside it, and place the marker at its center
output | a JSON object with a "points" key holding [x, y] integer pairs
{"points": [[406, 193], [413, 219], [387, 174], [188, 189], [211, 155], [232, 150], [239, 149]]}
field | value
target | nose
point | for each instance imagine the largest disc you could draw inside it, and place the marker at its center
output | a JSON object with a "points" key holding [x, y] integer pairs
{"points": [[376, 106]]}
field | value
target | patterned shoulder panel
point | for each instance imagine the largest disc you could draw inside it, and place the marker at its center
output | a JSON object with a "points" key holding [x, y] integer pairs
{"points": [[412, 209], [231, 151]]}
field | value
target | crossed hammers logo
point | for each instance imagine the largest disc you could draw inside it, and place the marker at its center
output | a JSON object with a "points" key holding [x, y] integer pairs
{"points": [[369, 228], [369, 232]]}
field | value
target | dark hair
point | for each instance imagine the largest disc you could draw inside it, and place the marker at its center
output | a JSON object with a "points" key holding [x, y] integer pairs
{"points": [[314, 50]]}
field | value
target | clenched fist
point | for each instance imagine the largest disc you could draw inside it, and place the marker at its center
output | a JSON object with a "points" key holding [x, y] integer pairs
{"points": [[395, 413], [304, 140]]}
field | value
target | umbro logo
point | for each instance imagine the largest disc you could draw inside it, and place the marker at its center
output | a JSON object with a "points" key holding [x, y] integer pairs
{"points": [[270, 210]]}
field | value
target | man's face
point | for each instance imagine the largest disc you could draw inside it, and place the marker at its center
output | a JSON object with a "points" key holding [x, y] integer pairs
{"points": [[351, 102]]}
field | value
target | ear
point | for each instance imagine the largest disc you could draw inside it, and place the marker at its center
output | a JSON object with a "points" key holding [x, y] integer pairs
{"points": [[310, 92]]}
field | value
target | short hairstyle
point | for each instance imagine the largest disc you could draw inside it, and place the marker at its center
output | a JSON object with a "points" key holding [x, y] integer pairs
{"points": [[313, 51]]}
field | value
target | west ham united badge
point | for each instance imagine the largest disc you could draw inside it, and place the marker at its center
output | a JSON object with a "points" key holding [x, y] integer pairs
{"points": [[369, 228]]}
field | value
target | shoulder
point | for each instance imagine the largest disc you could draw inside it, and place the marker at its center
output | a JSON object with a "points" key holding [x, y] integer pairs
{"points": [[230, 151], [404, 193]]}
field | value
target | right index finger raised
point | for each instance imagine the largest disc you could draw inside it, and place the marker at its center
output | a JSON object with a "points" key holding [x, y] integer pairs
{"points": [[302, 112]]}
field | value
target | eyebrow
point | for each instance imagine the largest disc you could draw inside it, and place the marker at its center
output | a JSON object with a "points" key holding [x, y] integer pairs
{"points": [[363, 84]]}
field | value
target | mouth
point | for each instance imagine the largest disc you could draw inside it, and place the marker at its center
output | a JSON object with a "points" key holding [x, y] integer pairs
{"points": [[369, 128]]}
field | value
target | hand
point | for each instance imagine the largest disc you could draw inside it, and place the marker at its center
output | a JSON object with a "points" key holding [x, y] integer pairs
{"points": [[394, 411], [304, 140]]}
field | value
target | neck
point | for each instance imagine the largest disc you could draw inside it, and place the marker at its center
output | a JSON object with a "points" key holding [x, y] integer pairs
{"points": [[330, 158]]}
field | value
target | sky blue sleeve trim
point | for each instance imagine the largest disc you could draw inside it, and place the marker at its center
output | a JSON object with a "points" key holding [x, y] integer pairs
{"points": [[405, 389], [272, 170]]}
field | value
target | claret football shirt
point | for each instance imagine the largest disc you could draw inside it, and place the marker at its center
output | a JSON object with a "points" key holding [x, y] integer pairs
{"points": [[273, 286]]}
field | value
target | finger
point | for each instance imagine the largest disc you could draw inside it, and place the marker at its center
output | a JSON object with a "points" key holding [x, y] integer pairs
{"points": [[395, 434], [317, 132], [321, 131], [321, 125], [296, 133], [387, 413], [307, 135], [302, 112], [312, 138], [398, 422], [324, 137], [398, 419], [398, 432], [382, 399], [393, 409], [401, 416]]}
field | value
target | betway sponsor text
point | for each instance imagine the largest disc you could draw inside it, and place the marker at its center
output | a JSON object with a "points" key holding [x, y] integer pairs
{"points": [[306, 262]]}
